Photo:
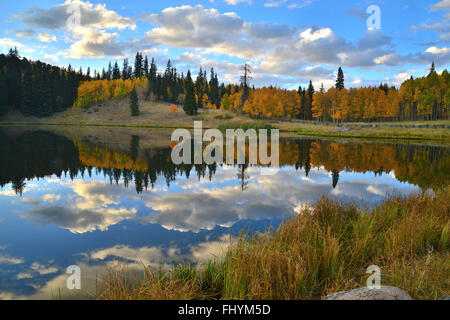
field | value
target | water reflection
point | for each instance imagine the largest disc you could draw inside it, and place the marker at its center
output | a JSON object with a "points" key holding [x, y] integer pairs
{"points": [[68, 200]]}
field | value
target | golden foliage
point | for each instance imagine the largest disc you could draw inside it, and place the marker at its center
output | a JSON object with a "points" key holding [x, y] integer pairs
{"points": [[93, 92]]}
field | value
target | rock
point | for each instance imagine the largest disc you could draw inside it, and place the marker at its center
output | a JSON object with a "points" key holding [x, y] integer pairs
{"points": [[445, 298], [364, 293]]}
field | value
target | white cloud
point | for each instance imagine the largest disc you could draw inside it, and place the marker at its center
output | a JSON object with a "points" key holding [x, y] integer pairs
{"points": [[235, 2], [57, 16], [435, 50], [43, 269], [46, 37], [443, 5], [7, 42]]}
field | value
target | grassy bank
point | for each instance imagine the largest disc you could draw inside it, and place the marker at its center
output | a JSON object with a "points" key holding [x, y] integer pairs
{"points": [[159, 115], [324, 249]]}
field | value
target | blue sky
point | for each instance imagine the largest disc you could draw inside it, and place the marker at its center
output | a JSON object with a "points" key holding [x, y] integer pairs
{"points": [[287, 42]]}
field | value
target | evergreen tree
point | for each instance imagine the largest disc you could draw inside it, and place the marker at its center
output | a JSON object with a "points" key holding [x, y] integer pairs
{"points": [[134, 103], [116, 72], [214, 89], [138, 65], [245, 80], [109, 74], [190, 105], [311, 91], [340, 79], [125, 70], [146, 71], [432, 69], [335, 177]]}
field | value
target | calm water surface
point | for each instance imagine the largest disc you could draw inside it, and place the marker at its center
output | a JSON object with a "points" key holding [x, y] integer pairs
{"points": [[107, 196]]}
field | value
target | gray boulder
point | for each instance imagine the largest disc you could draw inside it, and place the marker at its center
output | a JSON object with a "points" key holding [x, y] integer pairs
{"points": [[364, 293]]}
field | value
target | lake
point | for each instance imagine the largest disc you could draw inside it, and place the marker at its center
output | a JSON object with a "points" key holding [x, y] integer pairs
{"points": [[98, 197]]}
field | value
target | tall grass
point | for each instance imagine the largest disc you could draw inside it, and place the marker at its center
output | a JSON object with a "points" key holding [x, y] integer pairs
{"points": [[324, 249]]}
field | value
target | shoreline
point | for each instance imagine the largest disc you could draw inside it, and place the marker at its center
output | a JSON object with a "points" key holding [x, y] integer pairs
{"points": [[324, 249], [385, 133]]}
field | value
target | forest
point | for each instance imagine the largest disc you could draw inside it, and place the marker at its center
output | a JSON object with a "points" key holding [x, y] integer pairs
{"points": [[36, 88], [39, 89]]}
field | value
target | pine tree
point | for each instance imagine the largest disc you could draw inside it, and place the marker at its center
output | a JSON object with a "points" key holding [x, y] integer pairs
{"points": [[214, 89], [146, 71], [190, 105], [134, 103], [308, 111], [432, 69], [125, 70], [109, 74], [116, 72], [138, 66], [245, 79], [340, 79]]}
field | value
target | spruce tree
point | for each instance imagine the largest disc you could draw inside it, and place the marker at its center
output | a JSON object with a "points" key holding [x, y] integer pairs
{"points": [[340, 79], [134, 103], [125, 70], [138, 66], [109, 74], [190, 105], [146, 67], [308, 111], [432, 69], [116, 72], [214, 89]]}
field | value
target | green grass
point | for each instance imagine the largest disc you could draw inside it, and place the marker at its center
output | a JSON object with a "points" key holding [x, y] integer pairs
{"points": [[324, 249], [385, 133], [224, 117]]}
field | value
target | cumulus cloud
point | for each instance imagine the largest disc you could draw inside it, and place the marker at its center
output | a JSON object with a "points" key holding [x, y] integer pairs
{"points": [[57, 16], [46, 37], [79, 221]]}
